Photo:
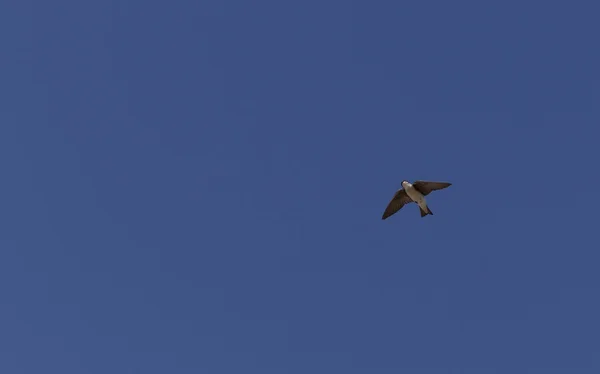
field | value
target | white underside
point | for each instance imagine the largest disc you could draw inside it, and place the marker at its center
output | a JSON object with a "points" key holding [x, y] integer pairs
{"points": [[416, 196]]}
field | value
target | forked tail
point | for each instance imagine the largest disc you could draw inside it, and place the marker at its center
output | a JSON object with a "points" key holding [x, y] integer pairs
{"points": [[424, 213]]}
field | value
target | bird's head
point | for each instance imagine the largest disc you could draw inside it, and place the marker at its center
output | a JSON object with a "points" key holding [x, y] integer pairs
{"points": [[404, 183]]}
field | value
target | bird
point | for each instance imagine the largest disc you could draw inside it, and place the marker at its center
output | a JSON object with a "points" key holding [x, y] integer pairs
{"points": [[413, 192]]}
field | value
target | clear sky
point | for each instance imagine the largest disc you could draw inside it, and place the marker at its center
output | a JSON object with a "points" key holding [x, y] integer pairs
{"points": [[198, 187]]}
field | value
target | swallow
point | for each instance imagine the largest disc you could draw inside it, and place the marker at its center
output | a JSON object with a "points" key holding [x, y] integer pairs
{"points": [[413, 192]]}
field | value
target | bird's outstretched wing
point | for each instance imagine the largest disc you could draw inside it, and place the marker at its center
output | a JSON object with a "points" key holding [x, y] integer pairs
{"points": [[398, 201], [425, 187]]}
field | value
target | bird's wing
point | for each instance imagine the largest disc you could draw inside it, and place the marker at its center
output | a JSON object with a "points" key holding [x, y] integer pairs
{"points": [[398, 201], [425, 187]]}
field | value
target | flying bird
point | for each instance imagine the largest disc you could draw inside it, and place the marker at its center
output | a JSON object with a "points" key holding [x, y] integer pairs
{"points": [[413, 192]]}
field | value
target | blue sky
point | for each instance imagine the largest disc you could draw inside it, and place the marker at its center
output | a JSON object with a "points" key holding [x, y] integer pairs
{"points": [[198, 187]]}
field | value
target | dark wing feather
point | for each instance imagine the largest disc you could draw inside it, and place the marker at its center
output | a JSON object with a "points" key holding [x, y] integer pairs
{"points": [[425, 187], [398, 201]]}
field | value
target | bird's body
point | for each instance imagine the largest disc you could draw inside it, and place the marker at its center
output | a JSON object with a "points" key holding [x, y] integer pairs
{"points": [[415, 196], [413, 192]]}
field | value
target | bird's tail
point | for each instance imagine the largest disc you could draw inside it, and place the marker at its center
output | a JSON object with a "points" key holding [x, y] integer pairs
{"points": [[424, 213]]}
